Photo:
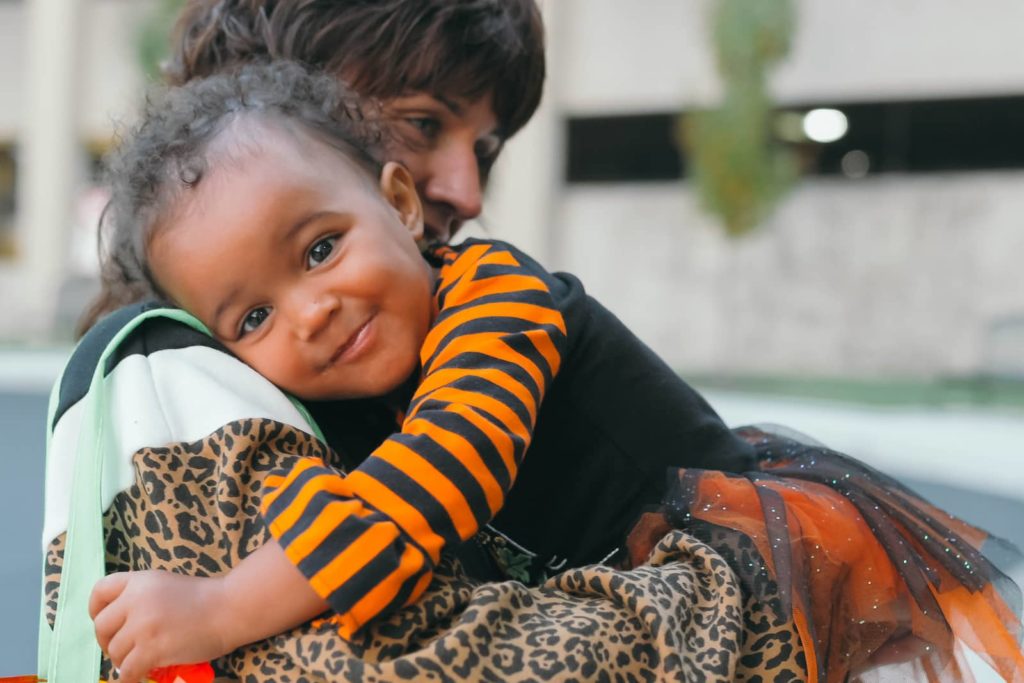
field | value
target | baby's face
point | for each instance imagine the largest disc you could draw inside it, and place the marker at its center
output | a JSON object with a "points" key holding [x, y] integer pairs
{"points": [[301, 265], [448, 144]]}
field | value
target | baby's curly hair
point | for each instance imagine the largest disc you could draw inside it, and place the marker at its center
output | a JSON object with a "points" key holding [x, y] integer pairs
{"points": [[166, 154]]}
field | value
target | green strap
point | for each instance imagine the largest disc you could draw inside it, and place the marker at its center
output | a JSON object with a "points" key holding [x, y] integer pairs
{"points": [[74, 654], [71, 654]]}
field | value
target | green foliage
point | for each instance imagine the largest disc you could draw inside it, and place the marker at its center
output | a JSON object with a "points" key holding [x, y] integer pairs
{"points": [[153, 42], [739, 169]]}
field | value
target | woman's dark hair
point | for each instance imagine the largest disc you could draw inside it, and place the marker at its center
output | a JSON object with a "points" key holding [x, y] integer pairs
{"points": [[382, 48], [166, 155]]}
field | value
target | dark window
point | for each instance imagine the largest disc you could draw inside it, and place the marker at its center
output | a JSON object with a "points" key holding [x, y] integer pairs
{"points": [[918, 136], [623, 148]]}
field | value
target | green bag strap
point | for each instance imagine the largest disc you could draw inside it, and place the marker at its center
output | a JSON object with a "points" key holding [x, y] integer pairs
{"points": [[70, 654]]}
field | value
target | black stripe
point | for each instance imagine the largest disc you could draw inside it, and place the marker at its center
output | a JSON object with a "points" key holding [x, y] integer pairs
{"points": [[484, 386], [409, 490], [518, 445], [366, 579], [537, 297], [287, 496], [489, 453], [508, 326], [347, 532], [524, 346], [452, 469], [473, 359], [486, 271]]}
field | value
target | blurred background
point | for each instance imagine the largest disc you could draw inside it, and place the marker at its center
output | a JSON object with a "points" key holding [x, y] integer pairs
{"points": [[854, 273]]}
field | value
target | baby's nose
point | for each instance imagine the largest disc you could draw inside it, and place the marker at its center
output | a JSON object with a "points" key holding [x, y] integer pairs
{"points": [[313, 315]]}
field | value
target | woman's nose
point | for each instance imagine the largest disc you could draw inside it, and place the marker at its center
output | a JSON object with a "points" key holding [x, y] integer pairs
{"points": [[455, 181]]}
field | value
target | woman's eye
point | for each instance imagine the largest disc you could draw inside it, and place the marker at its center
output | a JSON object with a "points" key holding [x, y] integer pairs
{"points": [[486, 150], [427, 126], [254, 319], [319, 252]]}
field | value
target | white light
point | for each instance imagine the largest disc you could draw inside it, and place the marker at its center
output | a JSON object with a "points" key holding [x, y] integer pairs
{"points": [[825, 125]]}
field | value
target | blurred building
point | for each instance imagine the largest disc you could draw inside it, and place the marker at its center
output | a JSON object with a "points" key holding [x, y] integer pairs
{"points": [[897, 254]]}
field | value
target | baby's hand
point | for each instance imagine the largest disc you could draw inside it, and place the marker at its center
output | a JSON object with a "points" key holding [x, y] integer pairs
{"points": [[149, 619]]}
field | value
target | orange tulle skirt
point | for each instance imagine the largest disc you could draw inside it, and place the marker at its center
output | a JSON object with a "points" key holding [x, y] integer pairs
{"points": [[881, 584]]}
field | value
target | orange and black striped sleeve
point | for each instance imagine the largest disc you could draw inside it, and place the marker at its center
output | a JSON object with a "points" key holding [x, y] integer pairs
{"points": [[368, 541]]}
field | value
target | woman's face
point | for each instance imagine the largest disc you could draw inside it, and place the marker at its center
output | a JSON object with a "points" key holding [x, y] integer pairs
{"points": [[449, 145]]}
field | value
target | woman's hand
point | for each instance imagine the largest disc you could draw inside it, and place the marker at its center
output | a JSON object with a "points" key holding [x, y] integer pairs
{"points": [[149, 619]]}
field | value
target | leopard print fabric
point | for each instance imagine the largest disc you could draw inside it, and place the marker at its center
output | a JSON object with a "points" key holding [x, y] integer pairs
{"points": [[679, 616]]}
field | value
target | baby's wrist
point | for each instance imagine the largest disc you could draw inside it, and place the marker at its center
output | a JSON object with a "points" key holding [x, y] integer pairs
{"points": [[225, 612]]}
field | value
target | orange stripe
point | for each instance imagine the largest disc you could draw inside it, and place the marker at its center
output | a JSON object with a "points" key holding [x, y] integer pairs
{"points": [[283, 482], [499, 409], [542, 340], [471, 287], [492, 344], [329, 519], [498, 256], [457, 293], [405, 515], [440, 487], [328, 482], [461, 265], [352, 558], [421, 585], [499, 284], [371, 604], [462, 450], [501, 439], [449, 376], [532, 313]]}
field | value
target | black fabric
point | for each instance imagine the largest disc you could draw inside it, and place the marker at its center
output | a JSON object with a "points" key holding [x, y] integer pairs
{"points": [[614, 420]]}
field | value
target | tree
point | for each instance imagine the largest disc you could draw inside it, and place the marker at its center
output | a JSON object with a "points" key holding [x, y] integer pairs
{"points": [[739, 168]]}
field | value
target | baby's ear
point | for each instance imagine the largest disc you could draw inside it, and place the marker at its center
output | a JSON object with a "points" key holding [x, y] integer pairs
{"points": [[398, 188]]}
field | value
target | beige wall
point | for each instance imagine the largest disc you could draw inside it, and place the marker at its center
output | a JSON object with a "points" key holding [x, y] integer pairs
{"points": [[889, 275], [893, 275]]}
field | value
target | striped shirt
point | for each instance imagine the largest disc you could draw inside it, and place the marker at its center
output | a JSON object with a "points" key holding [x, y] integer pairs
{"points": [[368, 541]]}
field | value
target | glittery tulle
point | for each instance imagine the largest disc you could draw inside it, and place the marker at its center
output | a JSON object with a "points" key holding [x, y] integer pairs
{"points": [[881, 584]]}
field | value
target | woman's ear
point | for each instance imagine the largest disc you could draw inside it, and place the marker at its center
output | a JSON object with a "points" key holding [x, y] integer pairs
{"points": [[398, 188]]}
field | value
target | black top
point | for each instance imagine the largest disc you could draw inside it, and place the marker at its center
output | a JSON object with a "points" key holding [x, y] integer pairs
{"points": [[613, 421]]}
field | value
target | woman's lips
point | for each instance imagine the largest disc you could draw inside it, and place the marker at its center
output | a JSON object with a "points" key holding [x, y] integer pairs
{"points": [[354, 345]]}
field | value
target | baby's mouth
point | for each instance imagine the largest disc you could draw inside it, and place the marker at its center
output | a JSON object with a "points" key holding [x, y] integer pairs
{"points": [[352, 346]]}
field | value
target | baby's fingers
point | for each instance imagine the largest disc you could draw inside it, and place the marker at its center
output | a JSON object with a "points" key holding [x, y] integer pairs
{"points": [[134, 668], [108, 624], [106, 591]]}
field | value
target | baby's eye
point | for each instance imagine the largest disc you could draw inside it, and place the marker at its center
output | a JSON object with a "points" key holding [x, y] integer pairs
{"points": [[320, 250], [254, 319]]}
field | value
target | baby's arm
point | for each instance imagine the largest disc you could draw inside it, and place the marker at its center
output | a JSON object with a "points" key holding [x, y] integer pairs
{"points": [[368, 542], [149, 619]]}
